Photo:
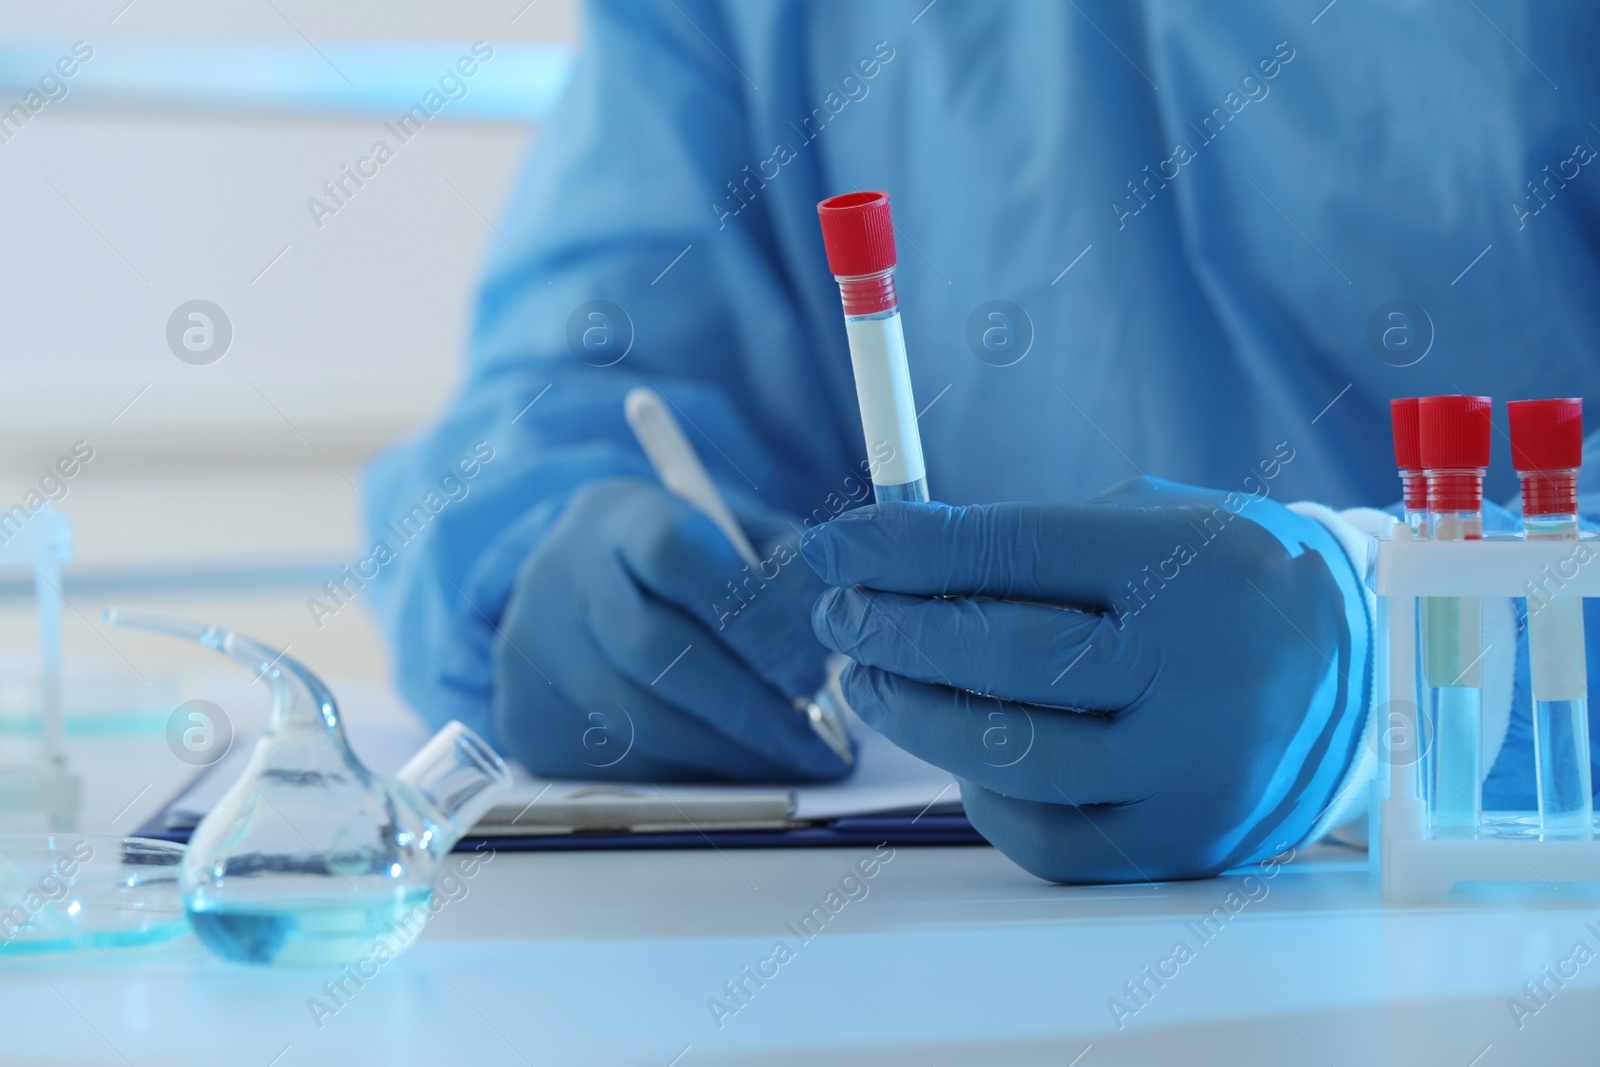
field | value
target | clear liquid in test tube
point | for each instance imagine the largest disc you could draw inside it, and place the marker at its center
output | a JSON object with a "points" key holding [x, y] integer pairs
{"points": [[1406, 749], [1547, 447], [858, 234], [1455, 438]]}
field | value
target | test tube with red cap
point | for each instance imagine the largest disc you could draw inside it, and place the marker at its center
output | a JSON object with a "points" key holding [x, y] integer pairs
{"points": [[1408, 460], [1454, 437], [1414, 500], [858, 234], [1546, 450]]}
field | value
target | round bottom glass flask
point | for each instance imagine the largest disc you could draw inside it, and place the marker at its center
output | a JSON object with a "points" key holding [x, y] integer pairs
{"points": [[310, 858]]}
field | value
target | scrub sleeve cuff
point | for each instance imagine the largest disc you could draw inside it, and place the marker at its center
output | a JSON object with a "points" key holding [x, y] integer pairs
{"points": [[1346, 817]]}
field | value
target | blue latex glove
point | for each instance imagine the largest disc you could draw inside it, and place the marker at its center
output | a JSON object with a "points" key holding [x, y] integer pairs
{"points": [[625, 654], [1101, 736]]}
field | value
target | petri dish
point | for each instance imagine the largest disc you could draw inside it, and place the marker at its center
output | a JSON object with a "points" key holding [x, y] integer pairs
{"points": [[66, 892]]}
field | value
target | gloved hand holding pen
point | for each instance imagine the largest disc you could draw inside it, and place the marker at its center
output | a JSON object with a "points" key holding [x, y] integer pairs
{"points": [[1154, 684], [645, 672]]}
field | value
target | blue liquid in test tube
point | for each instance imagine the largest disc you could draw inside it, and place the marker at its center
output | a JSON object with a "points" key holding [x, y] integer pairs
{"points": [[1547, 446]]}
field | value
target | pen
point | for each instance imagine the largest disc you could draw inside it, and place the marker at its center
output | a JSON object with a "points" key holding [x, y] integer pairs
{"points": [[680, 470]]}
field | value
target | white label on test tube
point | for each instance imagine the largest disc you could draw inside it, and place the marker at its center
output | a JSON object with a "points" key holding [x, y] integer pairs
{"points": [[1469, 654], [883, 388], [1555, 650]]}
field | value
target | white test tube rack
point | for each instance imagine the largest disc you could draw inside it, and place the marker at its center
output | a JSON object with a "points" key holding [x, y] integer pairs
{"points": [[1415, 867]]}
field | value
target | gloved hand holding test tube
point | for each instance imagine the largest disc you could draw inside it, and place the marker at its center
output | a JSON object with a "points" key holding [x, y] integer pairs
{"points": [[680, 470], [859, 236]]}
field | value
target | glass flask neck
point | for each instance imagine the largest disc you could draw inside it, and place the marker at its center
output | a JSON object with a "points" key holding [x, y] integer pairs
{"points": [[300, 700], [454, 780]]}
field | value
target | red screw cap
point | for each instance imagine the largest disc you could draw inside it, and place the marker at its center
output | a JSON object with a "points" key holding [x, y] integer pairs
{"points": [[858, 233], [1546, 435], [1455, 431], [1407, 440]]}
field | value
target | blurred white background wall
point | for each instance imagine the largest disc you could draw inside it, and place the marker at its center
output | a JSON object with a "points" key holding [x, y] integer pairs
{"points": [[177, 166]]}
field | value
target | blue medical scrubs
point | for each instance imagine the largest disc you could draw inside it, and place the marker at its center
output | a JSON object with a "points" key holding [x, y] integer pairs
{"points": [[1158, 238]]}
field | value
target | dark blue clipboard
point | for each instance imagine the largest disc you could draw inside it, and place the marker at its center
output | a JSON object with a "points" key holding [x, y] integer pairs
{"points": [[895, 828]]}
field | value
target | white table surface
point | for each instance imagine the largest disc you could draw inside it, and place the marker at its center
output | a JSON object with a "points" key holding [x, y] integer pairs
{"points": [[954, 956]]}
